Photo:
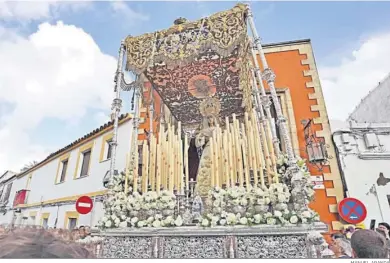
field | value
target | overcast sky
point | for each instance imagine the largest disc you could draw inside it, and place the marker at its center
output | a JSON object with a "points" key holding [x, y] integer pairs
{"points": [[58, 59]]}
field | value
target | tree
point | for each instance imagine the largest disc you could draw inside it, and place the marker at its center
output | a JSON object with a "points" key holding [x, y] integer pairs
{"points": [[28, 166]]}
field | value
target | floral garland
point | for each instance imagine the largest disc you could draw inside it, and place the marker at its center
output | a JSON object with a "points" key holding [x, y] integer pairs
{"points": [[150, 209], [259, 205]]}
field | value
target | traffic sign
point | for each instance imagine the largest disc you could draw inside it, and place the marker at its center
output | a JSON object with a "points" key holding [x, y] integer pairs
{"points": [[352, 210], [84, 205]]}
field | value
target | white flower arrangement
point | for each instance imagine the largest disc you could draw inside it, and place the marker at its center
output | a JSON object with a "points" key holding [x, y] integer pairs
{"points": [[90, 240]]}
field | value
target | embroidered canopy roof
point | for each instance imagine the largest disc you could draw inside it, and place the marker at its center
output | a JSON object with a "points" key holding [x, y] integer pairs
{"points": [[194, 60]]}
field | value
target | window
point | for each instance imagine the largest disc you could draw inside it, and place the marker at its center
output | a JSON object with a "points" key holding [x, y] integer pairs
{"points": [[85, 164], [45, 223], [72, 223], [6, 193], [105, 151], [32, 220], [109, 148], [63, 171], [71, 218], [45, 220]]}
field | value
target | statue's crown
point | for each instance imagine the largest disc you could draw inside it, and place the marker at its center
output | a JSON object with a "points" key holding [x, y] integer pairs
{"points": [[210, 107]]}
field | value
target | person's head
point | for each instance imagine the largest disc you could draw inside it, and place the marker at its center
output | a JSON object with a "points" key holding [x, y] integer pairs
{"points": [[368, 244], [38, 244], [87, 230], [335, 236], [385, 227], [341, 247], [82, 231], [75, 234]]}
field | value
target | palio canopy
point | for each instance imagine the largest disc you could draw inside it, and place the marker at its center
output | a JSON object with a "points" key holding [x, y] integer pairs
{"points": [[194, 60]]}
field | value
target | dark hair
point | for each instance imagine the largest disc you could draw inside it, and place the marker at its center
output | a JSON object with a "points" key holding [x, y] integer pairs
{"points": [[38, 244], [337, 235], [385, 225], [369, 244]]}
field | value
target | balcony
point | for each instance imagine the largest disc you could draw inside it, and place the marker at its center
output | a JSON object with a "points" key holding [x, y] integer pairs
{"points": [[20, 197]]}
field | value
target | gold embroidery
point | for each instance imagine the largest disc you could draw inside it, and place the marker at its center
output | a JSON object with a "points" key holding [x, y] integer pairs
{"points": [[221, 32]]}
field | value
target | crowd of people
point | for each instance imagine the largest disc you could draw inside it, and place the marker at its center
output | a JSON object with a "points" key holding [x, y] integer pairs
{"points": [[36, 242], [362, 243]]}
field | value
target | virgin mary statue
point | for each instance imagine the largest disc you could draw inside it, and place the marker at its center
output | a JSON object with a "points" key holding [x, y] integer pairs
{"points": [[209, 108]]}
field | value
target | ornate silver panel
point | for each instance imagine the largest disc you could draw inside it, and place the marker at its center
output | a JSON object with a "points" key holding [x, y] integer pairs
{"points": [[127, 247], [194, 247], [286, 246]]}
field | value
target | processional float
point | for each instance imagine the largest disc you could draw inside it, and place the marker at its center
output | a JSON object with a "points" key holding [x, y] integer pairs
{"points": [[215, 89]]}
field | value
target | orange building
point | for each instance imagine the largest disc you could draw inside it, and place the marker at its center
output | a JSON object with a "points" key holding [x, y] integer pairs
{"points": [[301, 98]]}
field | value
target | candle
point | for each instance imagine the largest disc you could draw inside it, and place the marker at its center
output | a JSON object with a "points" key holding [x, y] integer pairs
{"points": [[245, 155], [135, 175], [126, 174], [186, 161], [259, 149], [212, 164], [158, 170]]}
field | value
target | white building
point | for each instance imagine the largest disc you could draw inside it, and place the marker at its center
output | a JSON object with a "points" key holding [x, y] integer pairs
{"points": [[52, 186], [7, 196], [363, 149]]}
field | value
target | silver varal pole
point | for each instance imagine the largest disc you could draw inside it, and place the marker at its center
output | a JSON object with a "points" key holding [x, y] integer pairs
{"points": [[134, 141], [298, 182], [269, 76], [116, 108], [264, 101]]}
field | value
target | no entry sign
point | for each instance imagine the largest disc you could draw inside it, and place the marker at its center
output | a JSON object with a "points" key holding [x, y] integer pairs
{"points": [[84, 205], [352, 210]]}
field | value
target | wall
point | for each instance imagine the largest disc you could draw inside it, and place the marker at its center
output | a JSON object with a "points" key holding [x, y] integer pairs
{"points": [[295, 69], [361, 167], [375, 107], [44, 189], [7, 216]]}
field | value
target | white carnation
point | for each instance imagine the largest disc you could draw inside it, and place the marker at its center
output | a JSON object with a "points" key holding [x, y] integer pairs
{"points": [[179, 221], [117, 221], [222, 222], [257, 218], [108, 224], [243, 221], [271, 221], [134, 220], [157, 223], [294, 220], [306, 214], [123, 225], [141, 223], [278, 214], [205, 222]]}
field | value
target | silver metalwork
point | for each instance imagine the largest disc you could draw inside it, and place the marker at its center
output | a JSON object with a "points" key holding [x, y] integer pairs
{"points": [[116, 108], [269, 76], [263, 101], [219, 242]]}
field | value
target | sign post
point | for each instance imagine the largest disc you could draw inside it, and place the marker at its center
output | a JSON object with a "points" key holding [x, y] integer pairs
{"points": [[352, 210], [84, 205]]}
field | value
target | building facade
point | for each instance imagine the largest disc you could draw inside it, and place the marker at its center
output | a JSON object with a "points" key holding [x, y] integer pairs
{"points": [[46, 193], [363, 151], [6, 196], [364, 157]]}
